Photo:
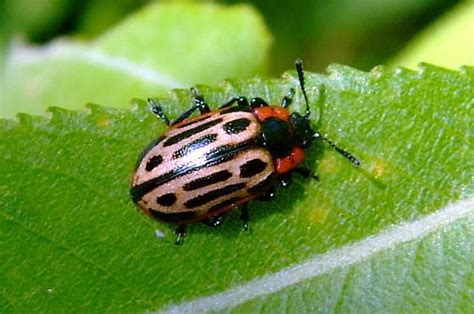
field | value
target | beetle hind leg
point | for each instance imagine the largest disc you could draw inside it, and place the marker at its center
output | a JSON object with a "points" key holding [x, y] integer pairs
{"points": [[245, 216]]}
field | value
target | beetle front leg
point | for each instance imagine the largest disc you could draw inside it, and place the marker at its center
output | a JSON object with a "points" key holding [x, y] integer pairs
{"points": [[306, 173], [285, 180], [286, 101]]}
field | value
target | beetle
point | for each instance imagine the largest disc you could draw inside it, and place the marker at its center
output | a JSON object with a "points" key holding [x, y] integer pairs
{"points": [[204, 166]]}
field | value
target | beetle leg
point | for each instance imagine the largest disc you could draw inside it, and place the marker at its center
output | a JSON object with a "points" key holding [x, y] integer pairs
{"points": [[286, 101], [267, 195], [257, 102], [285, 180], [198, 103], [306, 173], [181, 233], [241, 102], [157, 110], [244, 215], [214, 221]]}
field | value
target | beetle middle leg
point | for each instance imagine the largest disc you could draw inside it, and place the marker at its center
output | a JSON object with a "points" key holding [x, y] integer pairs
{"points": [[198, 103], [257, 102], [157, 110], [181, 233]]}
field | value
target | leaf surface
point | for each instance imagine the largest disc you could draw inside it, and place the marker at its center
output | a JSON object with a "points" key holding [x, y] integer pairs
{"points": [[71, 238]]}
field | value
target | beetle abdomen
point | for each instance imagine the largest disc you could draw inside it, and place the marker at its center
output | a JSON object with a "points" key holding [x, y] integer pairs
{"points": [[202, 166]]}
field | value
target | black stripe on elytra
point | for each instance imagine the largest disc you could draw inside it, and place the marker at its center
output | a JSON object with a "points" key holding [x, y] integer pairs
{"points": [[236, 126], [153, 162], [213, 157], [185, 134], [166, 199], [252, 167], [147, 149], [200, 142], [262, 186], [196, 120], [173, 217], [207, 180], [212, 195], [223, 204]]}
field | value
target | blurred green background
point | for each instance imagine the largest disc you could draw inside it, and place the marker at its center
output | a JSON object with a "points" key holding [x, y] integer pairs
{"points": [[359, 33]]}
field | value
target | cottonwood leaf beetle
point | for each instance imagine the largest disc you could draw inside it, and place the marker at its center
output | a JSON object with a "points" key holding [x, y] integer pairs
{"points": [[204, 166]]}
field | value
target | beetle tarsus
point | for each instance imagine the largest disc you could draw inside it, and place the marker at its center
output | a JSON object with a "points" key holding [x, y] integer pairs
{"points": [[285, 180], [268, 194], [157, 110], [214, 221], [199, 101]]}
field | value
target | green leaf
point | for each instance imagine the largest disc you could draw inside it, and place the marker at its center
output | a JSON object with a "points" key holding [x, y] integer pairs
{"points": [[160, 47], [448, 42], [393, 235]]}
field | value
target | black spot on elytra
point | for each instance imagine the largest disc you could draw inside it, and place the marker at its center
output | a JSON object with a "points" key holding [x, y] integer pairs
{"points": [[166, 199], [153, 162], [207, 180], [214, 157], [147, 149], [215, 194], [186, 134], [199, 143], [252, 167], [236, 126], [189, 122], [224, 204], [262, 186]]}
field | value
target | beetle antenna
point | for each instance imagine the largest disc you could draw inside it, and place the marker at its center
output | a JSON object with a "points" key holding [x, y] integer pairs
{"points": [[344, 153], [299, 70]]}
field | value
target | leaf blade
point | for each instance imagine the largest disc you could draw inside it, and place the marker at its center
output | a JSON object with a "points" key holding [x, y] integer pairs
{"points": [[80, 163]]}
